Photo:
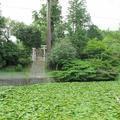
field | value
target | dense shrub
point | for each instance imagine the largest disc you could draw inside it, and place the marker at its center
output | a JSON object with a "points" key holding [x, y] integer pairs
{"points": [[95, 49], [24, 61], [14, 54], [61, 53], [8, 53], [18, 68], [107, 49], [24, 57], [2, 62], [113, 44], [11, 55], [90, 70], [113, 48]]}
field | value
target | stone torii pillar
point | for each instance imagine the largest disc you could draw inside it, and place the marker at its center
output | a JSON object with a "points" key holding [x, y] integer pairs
{"points": [[44, 51], [34, 57]]}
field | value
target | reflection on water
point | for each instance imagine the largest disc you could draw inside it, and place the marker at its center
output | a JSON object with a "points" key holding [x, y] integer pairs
{"points": [[37, 75], [21, 81], [37, 72]]}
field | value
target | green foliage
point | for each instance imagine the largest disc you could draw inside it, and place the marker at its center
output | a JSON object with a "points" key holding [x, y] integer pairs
{"points": [[66, 101], [102, 61], [40, 22], [95, 49], [11, 55], [90, 70], [56, 21], [19, 68], [94, 32], [112, 40], [2, 62], [106, 49], [24, 57], [62, 52], [57, 26], [24, 61], [8, 53], [2, 24], [30, 36], [79, 40], [78, 21], [78, 16]]}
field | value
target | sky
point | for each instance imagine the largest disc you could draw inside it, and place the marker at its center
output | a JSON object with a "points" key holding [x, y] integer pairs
{"points": [[104, 13]]}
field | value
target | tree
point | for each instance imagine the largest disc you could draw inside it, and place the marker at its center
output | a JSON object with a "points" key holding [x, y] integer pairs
{"points": [[2, 25], [78, 22], [56, 20], [94, 32], [30, 36], [4, 29], [40, 20]]}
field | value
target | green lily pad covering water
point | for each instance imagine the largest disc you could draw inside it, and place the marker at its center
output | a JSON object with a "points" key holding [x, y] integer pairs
{"points": [[67, 101]]}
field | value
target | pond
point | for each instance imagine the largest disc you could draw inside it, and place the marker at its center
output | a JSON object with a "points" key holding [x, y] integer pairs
{"points": [[36, 74], [24, 81]]}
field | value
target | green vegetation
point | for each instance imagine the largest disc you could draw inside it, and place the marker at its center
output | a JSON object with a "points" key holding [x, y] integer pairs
{"points": [[89, 53], [29, 36], [78, 22], [81, 52], [68, 101], [62, 52], [12, 54], [57, 25], [99, 60], [89, 70]]}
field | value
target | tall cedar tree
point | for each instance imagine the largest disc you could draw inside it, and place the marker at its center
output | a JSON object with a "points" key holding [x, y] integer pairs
{"points": [[78, 22]]}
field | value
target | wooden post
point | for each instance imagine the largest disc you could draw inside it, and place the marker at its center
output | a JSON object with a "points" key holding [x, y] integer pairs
{"points": [[49, 34]]}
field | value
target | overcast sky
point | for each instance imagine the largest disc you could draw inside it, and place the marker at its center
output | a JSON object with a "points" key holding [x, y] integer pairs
{"points": [[104, 13]]}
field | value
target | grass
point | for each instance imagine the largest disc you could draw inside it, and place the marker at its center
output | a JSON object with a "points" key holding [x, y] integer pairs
{"points": [[67, 101]]}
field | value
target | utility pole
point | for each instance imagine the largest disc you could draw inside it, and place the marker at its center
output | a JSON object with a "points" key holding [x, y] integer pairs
{"points": [[49, 34]]}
